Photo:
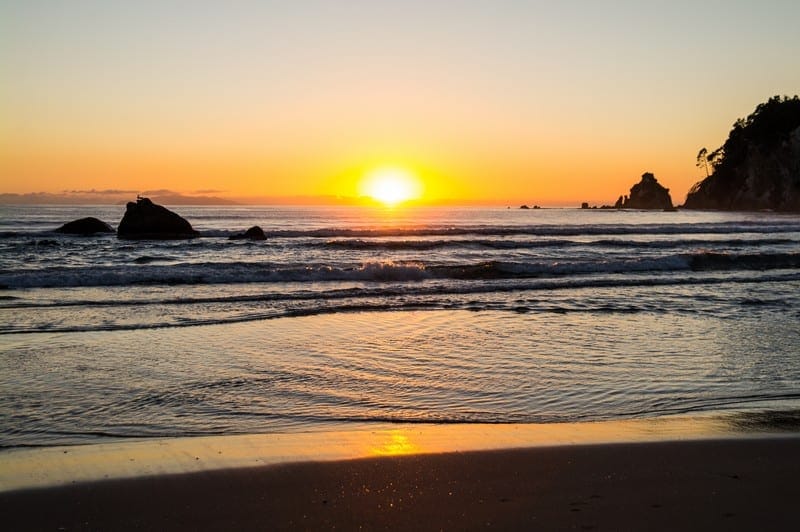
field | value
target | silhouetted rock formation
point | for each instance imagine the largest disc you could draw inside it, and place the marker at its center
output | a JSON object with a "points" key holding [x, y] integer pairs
{"points": [[646, 194], [85, 226], [254, 233], [146, 220], [758, 167], [524, 207]]}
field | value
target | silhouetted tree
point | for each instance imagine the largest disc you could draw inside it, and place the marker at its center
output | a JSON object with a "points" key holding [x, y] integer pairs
{"points": [[702, 160], [766, 132]]}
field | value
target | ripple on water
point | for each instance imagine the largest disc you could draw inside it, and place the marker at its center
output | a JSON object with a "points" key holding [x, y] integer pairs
{"points": [[444, 366]]}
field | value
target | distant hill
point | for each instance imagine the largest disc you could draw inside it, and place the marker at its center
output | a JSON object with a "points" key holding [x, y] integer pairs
{"points": [[108, 197], [758, 167], [180, 199]]}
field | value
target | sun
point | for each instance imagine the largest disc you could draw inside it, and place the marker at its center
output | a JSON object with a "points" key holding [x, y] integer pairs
{"points": [[391, 186]]}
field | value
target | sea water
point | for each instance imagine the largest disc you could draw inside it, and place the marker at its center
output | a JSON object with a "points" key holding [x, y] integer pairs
{"points": [[348, 315]]}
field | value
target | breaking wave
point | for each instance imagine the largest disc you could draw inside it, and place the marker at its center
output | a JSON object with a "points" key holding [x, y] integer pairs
{"points": [[147, 273]]}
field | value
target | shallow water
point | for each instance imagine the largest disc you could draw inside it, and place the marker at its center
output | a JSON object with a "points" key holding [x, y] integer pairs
{"points": [[348, 316], [417, 366]]}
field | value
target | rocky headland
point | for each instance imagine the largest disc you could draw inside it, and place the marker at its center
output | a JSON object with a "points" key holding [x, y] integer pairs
{"points": [[758, 167]]}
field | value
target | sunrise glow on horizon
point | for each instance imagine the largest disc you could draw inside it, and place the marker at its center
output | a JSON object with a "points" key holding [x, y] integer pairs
{"points": [[391, 186], [482, 103]]}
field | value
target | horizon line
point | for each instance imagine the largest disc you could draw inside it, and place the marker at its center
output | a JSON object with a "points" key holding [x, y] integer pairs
{"points": [[177, 198]]}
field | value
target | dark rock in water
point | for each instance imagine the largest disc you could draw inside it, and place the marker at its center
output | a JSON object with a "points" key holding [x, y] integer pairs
{"points": [[524, 207], [758, 167], [85, 227], [254, 233], [146, 220], [646, 194], [584, 205]]}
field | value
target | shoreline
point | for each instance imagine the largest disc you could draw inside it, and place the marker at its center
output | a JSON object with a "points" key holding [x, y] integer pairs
{"points": [[47, 467], [733, 484]]}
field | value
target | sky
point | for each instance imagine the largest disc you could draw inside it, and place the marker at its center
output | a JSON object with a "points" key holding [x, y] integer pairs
{"points": [[484, 101]]}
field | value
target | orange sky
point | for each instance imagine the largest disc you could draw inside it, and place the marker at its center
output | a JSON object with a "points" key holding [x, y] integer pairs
{"points": [[486, 103]]}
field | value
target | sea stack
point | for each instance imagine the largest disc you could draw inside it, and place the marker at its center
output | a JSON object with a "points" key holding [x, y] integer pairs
{"points": [[646, 194], [145, 220]]}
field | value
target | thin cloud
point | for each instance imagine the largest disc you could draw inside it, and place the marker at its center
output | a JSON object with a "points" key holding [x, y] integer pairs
{"points": [[160, 192], [105, 192]]}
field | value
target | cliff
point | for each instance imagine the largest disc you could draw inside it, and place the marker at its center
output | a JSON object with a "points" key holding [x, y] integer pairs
{"points": [[758, 167]]}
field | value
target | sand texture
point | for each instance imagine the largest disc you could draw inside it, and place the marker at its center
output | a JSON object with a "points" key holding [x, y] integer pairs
{"points": [[734, 484]]}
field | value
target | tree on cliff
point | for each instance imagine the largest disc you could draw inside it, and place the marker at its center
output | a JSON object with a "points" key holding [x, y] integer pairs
{"points": [[702, 160], [758, 167]]}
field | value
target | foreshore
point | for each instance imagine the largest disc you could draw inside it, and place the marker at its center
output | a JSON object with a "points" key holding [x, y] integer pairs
{"points": [[663, 474], [733, 484]]}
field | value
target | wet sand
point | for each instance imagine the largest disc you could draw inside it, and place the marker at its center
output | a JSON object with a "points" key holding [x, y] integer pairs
{"points": [[728, 484]]}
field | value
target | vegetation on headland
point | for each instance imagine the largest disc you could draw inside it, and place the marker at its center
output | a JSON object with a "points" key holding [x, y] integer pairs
{"points": [[758, 166]]}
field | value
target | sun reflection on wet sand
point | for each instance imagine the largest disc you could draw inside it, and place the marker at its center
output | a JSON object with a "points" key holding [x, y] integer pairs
{"points": [[397, 443], [29, 468]]}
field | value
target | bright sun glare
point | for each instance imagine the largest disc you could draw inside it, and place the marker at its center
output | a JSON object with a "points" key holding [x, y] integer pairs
{"points": [[391, 186]]}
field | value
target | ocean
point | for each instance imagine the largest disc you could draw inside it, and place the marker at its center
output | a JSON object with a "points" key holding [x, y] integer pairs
{"points": [[347, 316]]}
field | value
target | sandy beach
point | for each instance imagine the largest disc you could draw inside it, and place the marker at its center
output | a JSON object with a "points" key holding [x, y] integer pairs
{"points": [[725, 484], [399, 266]]}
